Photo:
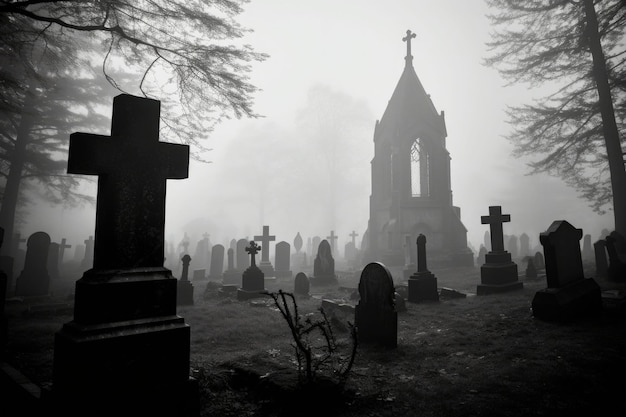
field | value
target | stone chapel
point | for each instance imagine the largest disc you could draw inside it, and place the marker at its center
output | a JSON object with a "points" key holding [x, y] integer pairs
{"points": [[411, 191]]}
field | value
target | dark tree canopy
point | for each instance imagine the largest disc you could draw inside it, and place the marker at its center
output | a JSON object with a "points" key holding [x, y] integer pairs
{"points": [[60, 62], [549, 43]]}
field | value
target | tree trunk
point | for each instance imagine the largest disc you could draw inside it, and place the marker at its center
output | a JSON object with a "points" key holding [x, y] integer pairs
{"points": [[12, 188], [609, 126]]}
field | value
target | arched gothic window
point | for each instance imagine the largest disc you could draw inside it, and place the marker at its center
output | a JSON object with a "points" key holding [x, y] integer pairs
{"points": [[419, 170]]}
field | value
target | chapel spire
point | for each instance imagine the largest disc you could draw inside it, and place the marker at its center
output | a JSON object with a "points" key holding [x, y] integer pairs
{"points": [[409, 35]]}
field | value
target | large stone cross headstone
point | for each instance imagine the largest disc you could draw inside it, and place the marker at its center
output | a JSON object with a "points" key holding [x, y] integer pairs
{"points": [[499, 272], [125, 320], [569, 294], [35, 279], [376, 318], [132, 168], [265, 265]]}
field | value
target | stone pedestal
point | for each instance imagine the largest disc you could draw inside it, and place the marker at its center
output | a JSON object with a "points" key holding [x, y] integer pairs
{"points": [[581, 298], [252, 284], [498, 274], [184, 293], [127, 351], [267, 268], [423, 287]]}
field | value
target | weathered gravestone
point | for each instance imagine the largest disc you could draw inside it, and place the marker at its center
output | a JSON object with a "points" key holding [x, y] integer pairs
{"points": [[217, 262], [283, 260], [376, 318], [202, 253], [524, 245], [499, 272], [185, 288], [569, 294], [531, 271], [616, 248], [253, 279], [539, 261], [602, 263], [323, 266], [423, 283], [265, 265], [34, 279], [126, 351], [231, 276], [301, 285], [242, 259]]}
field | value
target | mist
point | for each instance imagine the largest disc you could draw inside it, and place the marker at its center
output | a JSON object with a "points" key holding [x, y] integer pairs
{"points": [[304, 166]]}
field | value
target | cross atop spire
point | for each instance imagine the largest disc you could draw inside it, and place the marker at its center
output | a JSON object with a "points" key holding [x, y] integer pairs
{"points": [[409, 35]]}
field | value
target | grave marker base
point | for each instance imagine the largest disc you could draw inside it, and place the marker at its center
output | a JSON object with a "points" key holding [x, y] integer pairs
{"points": [[423, 287], [498, 277], [581, 298]]}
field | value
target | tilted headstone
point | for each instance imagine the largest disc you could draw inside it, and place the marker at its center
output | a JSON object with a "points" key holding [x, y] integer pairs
{"points": [[423, 283], [323, 266], [569, 294], [616, 248], [301, 285], [499, 272], [217, 262], [34, 279], [125, 319], [283, 260], [602, 262], [253, 279], [376, 318], [185, 288]]}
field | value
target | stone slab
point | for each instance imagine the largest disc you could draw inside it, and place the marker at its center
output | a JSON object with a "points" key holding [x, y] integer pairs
{"points": [[576, 300]]}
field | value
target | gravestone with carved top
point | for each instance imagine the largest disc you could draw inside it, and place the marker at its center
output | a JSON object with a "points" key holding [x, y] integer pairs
{"points": [[422, 283], [35, 279], [184, 293], [376, 318], [126, 351], [253, 279], [324, 266], [282, 267], [499, 272], [569, 295]]}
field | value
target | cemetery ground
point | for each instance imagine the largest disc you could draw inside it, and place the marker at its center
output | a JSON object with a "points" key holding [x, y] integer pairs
{"points": [[479, 355]]}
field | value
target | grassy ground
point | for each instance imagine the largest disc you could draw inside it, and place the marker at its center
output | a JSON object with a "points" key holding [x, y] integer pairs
{"points": [[483, 356]]}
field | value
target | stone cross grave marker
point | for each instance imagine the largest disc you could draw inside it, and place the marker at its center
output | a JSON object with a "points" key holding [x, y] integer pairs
{"points": [[265, 265], [499, 272], [331, 239], [253, 279], [184, 293], [376, 318], [569, 294], [125, 305], [34, 279], [62, 246]]}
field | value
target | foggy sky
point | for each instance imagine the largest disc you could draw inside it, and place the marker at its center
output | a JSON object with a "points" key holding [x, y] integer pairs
{"points": [[274, 170]]}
